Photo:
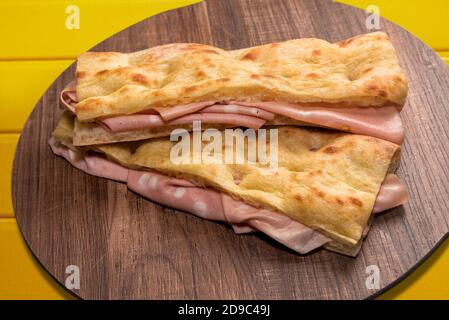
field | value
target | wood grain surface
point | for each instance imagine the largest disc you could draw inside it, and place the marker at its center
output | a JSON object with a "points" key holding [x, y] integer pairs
{"points": [[128, 247]]}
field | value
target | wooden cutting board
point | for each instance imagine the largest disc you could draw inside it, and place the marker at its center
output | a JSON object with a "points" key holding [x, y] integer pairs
{"points": [[128, 247]]}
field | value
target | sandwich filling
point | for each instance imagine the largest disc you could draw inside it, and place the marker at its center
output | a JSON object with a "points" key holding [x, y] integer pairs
{"points": [[383, 123]]}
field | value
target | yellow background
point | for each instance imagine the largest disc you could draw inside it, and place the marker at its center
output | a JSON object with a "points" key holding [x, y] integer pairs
{"points": [[36, 47]]}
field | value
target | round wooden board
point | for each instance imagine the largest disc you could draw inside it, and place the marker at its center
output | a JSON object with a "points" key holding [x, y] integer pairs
{"points": [[128, 247]]}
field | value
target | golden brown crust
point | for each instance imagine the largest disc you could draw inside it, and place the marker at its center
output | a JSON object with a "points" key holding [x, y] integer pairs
{"points": [[64, 131], [326, 181], [361, 71]]}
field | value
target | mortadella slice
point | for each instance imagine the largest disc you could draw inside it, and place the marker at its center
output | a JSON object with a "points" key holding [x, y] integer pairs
{"points": [[170, 113], [238, 110], [383, 123], [90, 162], [393, 193], [210, 204], [144, 121], [68, 96]]}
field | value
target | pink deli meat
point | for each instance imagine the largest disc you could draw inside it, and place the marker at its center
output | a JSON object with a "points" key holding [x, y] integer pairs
{"points": [[68, 96], [211, 204], [144, 121], [392, 194], [383, 123]]}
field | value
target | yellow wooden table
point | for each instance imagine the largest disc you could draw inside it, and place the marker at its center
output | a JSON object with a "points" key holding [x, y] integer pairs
{"points": [[41, 38]]}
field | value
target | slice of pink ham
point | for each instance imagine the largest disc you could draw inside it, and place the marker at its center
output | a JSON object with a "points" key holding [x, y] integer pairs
{"points": [[392, 194], [68, 96], [237, 109], [170, 113], [279, 227], [144, 121], [211, 204], [90, 162], [383, 123], [214, 205]]}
